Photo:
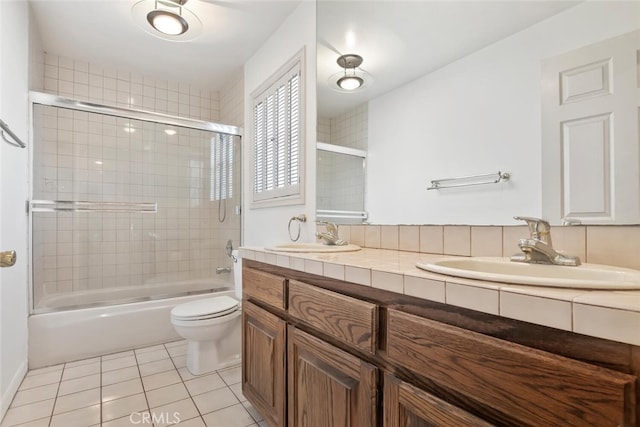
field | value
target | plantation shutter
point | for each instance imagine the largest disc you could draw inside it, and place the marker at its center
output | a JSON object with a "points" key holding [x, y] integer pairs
{"points": [[277, 127]]}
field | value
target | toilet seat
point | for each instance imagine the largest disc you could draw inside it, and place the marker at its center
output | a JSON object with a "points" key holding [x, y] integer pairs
{"points": [[204, 309]]}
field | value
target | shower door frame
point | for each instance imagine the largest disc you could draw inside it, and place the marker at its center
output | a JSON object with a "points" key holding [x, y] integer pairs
{"points": [[46, 99]]}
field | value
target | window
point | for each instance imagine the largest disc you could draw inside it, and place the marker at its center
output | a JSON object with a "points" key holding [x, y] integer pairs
{"points": [[278, 137]]}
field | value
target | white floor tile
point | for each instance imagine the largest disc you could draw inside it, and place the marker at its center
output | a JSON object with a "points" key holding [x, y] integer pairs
{"points": [[81, 362], [35, 394], [175, 412], [74, 401], [204, 384], [166, 395], [119, 363], [79, 384], [40, 380], [175, 343], [193, 422], [46, 369], [119, 375], [156, 367], [42, 422], [117, 355], [233, 416], [237, 390], [149, 349], [130, 420], [232, 375], [160, 380], [215, 400], [179, 350], [81, 371], [122, 389], [79, 418], [180, 361], [152, 356], [118, 408], [30, 412]]}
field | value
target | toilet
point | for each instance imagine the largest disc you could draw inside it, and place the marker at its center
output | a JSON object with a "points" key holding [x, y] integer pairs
{"points": [[212, 328]]}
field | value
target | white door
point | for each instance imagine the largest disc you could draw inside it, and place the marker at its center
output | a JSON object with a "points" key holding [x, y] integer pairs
{"points": [[590, 114], [14, 308]]}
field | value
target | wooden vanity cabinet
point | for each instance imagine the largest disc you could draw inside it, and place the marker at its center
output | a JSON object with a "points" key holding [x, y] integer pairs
{"points": [[319, 352]]}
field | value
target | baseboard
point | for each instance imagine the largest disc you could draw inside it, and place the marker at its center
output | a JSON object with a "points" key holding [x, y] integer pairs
{"points": [[8, 395]]}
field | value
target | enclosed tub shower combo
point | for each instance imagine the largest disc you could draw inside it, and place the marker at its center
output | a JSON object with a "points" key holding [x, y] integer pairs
{"points": [[132, 213]]}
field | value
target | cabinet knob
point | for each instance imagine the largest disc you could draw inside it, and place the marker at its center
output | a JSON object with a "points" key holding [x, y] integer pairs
{"points": [[7, 258]]}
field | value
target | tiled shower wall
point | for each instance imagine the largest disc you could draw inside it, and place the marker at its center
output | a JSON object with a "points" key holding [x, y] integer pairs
{"points": [[340, 178], [598, 244], [90, 157]]}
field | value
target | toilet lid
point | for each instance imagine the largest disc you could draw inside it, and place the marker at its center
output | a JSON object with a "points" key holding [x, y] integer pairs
{"points": [[205, 308]]}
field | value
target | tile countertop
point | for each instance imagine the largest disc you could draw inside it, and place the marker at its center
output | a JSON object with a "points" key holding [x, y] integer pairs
{"points": [[613, 315]]}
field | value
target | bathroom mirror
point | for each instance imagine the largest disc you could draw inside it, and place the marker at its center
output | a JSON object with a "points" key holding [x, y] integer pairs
{"points": [[451, 89]]}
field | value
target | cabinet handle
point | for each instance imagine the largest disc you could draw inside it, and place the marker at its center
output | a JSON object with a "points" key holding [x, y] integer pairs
{"points": [[7, 258]]}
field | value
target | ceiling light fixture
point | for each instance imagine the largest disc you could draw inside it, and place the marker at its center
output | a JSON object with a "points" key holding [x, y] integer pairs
{"points": [[167, 19], [350, 81]]}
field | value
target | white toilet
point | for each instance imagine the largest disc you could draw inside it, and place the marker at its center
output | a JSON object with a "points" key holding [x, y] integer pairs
{"points": [[212, 328]]}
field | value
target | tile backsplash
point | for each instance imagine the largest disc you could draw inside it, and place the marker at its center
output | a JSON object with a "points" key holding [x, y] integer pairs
{"points": [[617, 245]]}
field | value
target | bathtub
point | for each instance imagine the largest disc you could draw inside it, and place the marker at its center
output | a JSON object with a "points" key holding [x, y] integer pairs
{"points": [[65, 336]]}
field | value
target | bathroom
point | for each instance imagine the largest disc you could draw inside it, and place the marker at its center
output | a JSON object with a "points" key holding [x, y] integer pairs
{"points": [[401, 214]]}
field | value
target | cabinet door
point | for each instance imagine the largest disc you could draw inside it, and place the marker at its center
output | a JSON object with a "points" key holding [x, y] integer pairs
{"points": [[327, 386], [408, 406], [263, 363]]}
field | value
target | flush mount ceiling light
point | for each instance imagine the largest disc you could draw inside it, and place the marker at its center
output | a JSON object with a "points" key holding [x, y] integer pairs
{"points": [[350, 81], [167, 19], [352, 78]]}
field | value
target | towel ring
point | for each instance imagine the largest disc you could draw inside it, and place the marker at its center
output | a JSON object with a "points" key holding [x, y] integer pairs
{"points": [[300, 218]]}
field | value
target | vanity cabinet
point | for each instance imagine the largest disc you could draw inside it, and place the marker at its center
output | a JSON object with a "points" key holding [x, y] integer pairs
{"points": [[322, 352]]}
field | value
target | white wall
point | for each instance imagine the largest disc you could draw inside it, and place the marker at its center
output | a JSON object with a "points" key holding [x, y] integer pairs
{"points": [[265, 226], [479, 114], [14, 57]]}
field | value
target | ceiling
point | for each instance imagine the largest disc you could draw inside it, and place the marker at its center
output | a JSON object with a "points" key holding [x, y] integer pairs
{"points": [[403, 40], [103, 32], [399, 40]]}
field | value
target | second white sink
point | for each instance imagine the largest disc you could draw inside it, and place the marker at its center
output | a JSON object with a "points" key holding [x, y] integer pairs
{"points": [[585, 276], [312, 247]]}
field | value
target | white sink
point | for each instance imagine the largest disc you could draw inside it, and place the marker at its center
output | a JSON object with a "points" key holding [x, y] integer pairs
{"points": [[585, 276], [312, 247]]}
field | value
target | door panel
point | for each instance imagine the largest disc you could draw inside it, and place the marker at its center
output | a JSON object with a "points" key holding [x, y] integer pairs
{"points": [[327, 386]]}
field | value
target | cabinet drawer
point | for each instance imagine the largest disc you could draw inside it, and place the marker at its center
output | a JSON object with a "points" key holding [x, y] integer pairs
{"points": [[406, 406], [264, 287], [531, 386], [347, 319]]}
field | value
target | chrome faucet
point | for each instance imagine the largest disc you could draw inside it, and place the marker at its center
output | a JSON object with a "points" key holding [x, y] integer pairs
{"points": [[220, 270], [330, 237], [538, 249]]}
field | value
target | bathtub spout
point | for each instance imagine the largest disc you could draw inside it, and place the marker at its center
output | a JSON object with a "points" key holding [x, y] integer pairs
{"points": [[220, 270]]}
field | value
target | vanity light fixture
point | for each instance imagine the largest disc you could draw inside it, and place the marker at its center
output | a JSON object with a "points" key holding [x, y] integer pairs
{"points": [[167, 19], [350, 81]]}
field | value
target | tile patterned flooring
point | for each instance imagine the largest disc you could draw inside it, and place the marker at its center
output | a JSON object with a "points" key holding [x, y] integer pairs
{"points": [[145, 387]]}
